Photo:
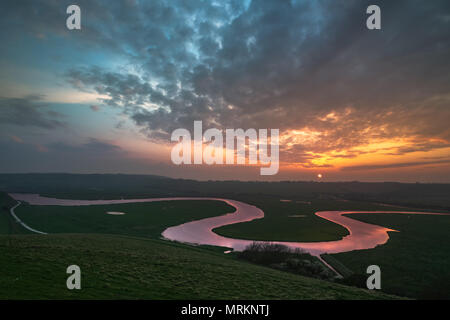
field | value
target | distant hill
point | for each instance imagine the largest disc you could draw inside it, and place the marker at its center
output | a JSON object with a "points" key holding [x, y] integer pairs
{"points": [[425, 195]]}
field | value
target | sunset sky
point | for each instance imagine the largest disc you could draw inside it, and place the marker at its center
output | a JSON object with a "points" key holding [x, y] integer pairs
{"points": [[350, 103]]}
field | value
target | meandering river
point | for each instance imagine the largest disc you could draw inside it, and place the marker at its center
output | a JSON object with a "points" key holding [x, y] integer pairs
{"points": [[361, 235]]}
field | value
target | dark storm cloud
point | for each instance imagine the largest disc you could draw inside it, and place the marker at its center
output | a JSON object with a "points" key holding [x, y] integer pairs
{"points": [[28, 111], [270, 64]]}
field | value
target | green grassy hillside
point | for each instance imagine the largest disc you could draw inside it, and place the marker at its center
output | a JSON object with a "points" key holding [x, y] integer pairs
{"points": [[119, 267]]}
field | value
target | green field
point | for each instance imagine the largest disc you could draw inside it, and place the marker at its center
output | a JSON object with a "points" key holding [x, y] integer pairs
{"points": [[120, 267], [140, 219], [283, 221], [4, 222], [7, 223], [415, 262], [295, 220]]}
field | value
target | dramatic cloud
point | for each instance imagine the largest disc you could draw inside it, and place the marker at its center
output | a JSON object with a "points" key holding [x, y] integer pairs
{"points": [[288, 65], [28, 111], [336, 90]]}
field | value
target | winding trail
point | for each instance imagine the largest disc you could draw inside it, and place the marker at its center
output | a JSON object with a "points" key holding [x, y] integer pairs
{"points": [[361, 235], [21, 222]]}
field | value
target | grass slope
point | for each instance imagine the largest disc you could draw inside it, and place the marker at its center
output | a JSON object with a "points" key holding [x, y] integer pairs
{"points": [[414, 262], [120, 267]]}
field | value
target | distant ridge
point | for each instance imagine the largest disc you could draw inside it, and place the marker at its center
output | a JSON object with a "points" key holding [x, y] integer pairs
{"points": [[94, 186]]}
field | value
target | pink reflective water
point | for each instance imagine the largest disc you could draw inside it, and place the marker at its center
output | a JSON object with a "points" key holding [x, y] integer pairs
{"points": [[361, 235]]}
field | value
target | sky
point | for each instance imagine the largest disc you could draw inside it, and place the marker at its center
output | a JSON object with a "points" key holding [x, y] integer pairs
{"points": [[350, 103]]}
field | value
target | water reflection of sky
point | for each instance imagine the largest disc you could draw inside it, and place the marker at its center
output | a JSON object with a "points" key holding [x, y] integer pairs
{"points": [[361, 235]]}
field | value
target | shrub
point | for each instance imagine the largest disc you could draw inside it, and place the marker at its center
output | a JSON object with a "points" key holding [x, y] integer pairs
{"points": [[268, 253], [284, 258]]}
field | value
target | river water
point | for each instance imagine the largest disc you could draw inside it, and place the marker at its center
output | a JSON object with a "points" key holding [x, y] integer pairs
{"points": [[361, 235]]}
